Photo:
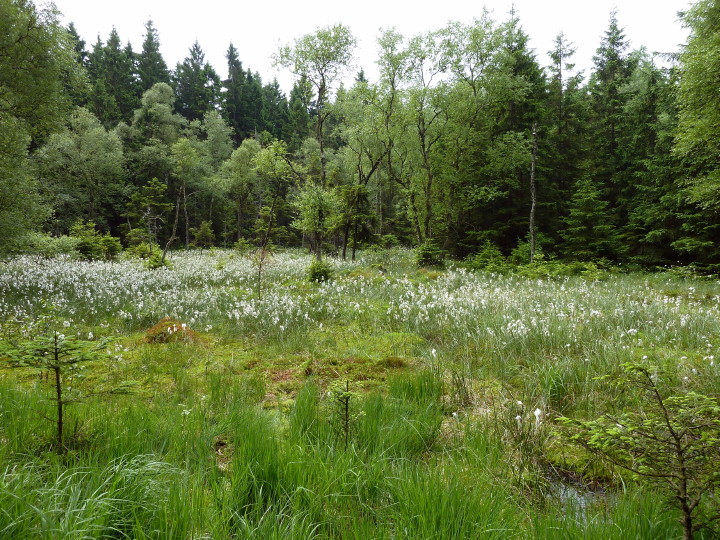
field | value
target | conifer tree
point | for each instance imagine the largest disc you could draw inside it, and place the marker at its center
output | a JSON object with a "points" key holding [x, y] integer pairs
{"points": [[274, 110], [565, 134], [613, 68], [699, 119], [589, 233], [298, 126], [197, 85], [698, 136], [115, 93], [233, 104], [152, 68]]}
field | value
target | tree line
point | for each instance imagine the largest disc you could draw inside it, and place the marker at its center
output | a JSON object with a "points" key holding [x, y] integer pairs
{"points": [[464, 142]]}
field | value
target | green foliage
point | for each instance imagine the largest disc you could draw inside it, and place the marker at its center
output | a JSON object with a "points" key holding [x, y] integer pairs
{"points": [[317, 208], [82, 172], [243, 246], [151, 66], [150, 254], [37, 68], [48, 246], [115, 89], [430, 254], [62, 356], [589, 233], [672, 442], [699, 116], [197, 85], [92, 245], [590, 271], [521, 253], [489, 259], [203, 236], [388, 241], [320, 271]]}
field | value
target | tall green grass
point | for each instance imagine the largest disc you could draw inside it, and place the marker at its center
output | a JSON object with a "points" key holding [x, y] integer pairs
{"points": [[212, 446]]}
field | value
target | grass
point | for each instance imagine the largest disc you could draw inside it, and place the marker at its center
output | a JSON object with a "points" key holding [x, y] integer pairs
{"points": [[242, 430]]}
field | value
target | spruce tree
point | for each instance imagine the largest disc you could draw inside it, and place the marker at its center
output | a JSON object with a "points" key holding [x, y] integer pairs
{"points": [[565, 136], [298, 126], [613, 69], [233, 104], [152, 68], [197, 85], [115, 93], [274, 110], [697, 143], [589, 233]]}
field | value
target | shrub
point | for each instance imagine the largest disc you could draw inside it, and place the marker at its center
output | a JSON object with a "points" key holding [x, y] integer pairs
{"points": [[319, 271], [50, 246], [203, 236], [150, 254], [521, 253], [489, 259], [92, 245], [672, 443], [243, 246], [388, 241], [430, 254]]}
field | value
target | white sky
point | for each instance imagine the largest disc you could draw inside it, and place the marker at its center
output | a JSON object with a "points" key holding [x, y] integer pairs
{"points": [[257, 29]]}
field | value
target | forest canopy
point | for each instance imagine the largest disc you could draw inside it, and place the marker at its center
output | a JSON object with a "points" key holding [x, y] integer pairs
{"points": [[465, 143]]}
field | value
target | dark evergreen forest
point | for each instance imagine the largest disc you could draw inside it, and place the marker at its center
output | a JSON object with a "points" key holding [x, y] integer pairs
{"points": [[465, 143]]}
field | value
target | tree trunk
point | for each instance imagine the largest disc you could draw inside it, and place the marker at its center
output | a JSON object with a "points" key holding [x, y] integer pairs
{"points": [[346, 235], [58, 393], [187, 221], [174, 230], [354, 247], [533, 194]]}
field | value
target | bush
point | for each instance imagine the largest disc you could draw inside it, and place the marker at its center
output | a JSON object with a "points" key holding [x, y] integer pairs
{"points": [[430, 254], [521, 254], [91, 245], [672, 443], [243, 246], [50, 246], [558, 269], [388, 241], [319, 271], [151, 254], [203, 236], [489, 259]]}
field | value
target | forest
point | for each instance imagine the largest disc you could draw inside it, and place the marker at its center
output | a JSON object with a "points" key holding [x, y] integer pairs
{"points": [[477, 297], [465, 145]]}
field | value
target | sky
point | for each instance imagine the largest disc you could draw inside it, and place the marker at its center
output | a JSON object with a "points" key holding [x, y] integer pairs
{"points": [[258, 29]]}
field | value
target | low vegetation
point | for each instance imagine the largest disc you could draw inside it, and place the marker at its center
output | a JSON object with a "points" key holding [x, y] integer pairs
{"points": [[386, 400]]}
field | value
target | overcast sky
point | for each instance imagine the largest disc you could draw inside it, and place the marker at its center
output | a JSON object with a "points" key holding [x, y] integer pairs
{"points": [[257, 29]]}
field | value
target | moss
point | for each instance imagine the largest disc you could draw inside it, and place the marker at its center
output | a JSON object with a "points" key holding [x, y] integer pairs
{"points": [[169, 330]]}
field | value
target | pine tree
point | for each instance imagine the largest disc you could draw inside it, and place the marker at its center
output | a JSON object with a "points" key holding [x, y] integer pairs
{"points": [[699, 120], [233, 104], [152, 68], [589, 233], [275, 110], [115, 93], [197, 85], [565, 137], [298, 126]]}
